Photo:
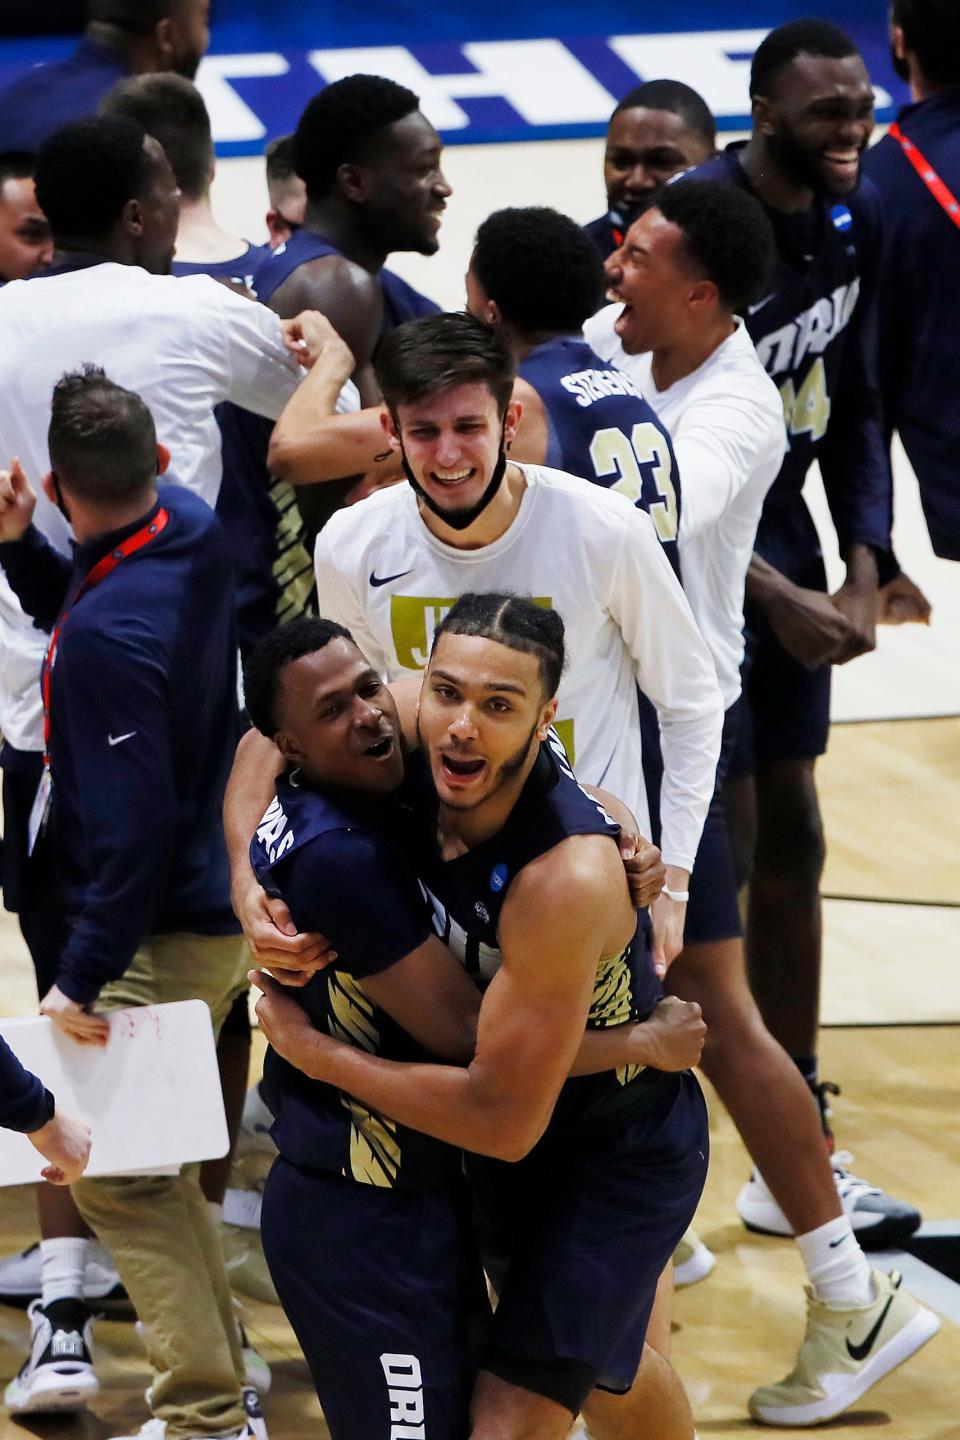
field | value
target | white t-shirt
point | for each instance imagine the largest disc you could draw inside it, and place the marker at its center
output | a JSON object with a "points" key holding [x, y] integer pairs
{"points": [[596, 558], [726, 423], [183, 345]]}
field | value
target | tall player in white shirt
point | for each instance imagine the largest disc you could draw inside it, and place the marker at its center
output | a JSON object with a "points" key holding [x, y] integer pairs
{"points": [[686, 266], [390, 567]]}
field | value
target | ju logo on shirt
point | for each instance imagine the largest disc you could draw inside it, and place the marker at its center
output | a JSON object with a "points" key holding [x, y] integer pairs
{"points": [[414, 620]]}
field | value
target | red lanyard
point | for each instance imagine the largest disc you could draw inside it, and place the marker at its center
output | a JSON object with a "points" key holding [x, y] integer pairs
{"points": [[940, 192], [100, 571]]}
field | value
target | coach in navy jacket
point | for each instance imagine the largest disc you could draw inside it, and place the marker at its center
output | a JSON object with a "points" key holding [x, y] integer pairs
{"points": [[141, 713], [919, 297]]}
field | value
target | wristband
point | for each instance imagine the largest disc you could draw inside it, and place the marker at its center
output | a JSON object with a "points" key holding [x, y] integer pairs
{"points": [[681, 896]]}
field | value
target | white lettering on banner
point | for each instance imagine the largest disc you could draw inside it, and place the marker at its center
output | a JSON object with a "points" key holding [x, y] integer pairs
{"points": [[231, 118], [543, 82], [704, 59]]}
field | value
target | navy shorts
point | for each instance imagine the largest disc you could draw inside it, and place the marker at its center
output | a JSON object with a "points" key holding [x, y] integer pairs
{"points": [[786, 706], [713, 912], [575, 1238], [386, 1295]]}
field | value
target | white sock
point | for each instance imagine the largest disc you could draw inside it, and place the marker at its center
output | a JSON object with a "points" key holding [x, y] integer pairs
{"points": [[98, 1254], [837, 1268], [63, 1261]]}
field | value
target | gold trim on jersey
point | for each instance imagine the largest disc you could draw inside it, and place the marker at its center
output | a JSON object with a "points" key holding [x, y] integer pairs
{"points": [[374, 1147], [292, 567], [613, 1002]]}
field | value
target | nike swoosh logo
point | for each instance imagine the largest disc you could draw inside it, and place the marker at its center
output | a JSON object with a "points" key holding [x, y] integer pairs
{"points": [[118, 739], [835, 1243], [376, 579], [861, 1351], [752, 309]]}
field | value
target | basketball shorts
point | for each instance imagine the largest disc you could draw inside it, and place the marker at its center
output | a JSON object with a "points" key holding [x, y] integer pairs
{"points": [[786, 706], [575, 1238], [712, 910], [386, 1295]]}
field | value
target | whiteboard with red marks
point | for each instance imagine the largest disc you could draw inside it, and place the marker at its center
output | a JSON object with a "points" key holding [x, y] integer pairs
{"points": [[152, 1096]]}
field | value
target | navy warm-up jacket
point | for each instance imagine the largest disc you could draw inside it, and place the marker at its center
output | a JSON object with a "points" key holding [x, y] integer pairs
{"points": [[144, 725]]}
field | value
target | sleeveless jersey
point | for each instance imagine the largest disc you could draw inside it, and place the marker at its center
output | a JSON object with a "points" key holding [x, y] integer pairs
{"points": [[815, 334], [600, 427], [341, 872], [260, 514], [400, 301], [468, 894]]}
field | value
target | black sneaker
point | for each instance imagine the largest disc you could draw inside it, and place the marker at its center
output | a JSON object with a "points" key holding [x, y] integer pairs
{"points": [[58, 1376]]}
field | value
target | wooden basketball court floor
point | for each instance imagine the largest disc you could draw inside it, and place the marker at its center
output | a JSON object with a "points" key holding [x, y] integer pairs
{"points": [[891, 1003]]}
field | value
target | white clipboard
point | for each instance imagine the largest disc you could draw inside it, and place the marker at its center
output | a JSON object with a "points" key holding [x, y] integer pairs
{"points": [[152, 1096]]}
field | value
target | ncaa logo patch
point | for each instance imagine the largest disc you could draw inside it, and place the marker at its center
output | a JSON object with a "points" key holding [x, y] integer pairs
{"points": [[498, 878], [841, 217]]}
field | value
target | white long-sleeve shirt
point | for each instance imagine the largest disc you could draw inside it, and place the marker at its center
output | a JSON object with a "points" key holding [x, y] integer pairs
{"points": [[726, 422], [596, 558], [183, 345]]}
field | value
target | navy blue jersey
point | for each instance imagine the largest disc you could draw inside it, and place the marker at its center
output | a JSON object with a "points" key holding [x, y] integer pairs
{"points": [[607, 233], [468, 894], [240, 270], [400, 301], [259, 514], [815, 332], [47, 97], [920, 308], [342, 874], [599, 426]]}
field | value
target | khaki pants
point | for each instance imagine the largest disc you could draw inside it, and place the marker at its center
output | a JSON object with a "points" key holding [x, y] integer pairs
{"points": [[158, 1228]]}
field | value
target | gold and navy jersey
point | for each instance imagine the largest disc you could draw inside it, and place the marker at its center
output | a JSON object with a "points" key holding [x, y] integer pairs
{"points": [[601, 428], [468, 894], [342, 874]]}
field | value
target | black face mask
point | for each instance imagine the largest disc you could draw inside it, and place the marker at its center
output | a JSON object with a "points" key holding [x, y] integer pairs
{"points": [[58, 496], [461, 519]]}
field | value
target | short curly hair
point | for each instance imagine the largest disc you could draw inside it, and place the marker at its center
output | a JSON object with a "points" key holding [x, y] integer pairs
{"points": [[727, 235], [678, 99], [540, 267], [261, 673], [798, 37], [86, 172], [341, 125]]}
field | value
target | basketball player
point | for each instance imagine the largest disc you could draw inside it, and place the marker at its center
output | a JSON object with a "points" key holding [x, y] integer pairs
{"points": [[371, 165], [815, 334], [916, 168], [658, 130], [392, 566], [689, 266], [626, 1144], [122, 37], [287, 192], [535, 278], [26, 244]]}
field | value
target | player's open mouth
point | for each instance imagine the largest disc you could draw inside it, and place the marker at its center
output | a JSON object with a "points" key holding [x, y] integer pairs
{"points": [[623, 319], [846, 162], [460, 771], [380, 749], [450, 479]]}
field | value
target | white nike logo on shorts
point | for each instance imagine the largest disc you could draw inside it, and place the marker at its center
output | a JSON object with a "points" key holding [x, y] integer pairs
{"points": [[118, 739]]}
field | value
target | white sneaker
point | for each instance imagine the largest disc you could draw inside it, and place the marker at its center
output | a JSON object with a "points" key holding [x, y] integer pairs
{"points": [[845, 1351], [156, 1429], [21, 1280], [58, 1375], [692, 1261], [878, 1220]]}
